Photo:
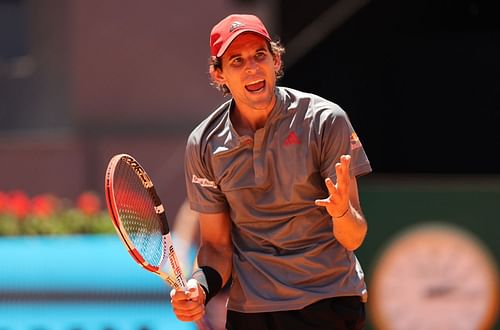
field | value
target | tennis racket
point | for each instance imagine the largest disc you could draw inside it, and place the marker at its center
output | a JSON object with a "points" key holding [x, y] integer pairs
{"points": [[141, 222]]}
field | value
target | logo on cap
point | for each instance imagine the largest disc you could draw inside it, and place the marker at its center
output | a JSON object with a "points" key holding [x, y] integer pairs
{"points": [[235, 25]]}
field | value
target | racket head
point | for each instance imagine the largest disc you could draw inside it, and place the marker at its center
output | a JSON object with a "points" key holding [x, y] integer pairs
{"points": [[139, 217]]}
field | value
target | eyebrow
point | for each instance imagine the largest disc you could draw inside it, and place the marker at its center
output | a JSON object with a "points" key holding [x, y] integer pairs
{"points": [[257, 50]]}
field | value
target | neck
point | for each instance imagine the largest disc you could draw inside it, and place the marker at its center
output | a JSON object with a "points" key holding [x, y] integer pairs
{"points": [[247, 120], [248, 123]]}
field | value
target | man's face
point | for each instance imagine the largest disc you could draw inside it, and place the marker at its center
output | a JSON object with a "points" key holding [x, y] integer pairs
{"points": [[249, 71]]}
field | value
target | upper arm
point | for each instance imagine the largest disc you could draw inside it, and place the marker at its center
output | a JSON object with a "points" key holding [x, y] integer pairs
{"points": [[202, 189], [215, 229]]}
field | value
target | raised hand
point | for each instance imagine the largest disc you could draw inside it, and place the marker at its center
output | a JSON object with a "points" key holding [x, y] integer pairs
{"points": [[337, 203]]}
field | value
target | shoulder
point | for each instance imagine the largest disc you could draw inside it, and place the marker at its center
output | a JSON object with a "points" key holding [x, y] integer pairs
{"points": [[311, 103], [314, 107], [205, 129]]}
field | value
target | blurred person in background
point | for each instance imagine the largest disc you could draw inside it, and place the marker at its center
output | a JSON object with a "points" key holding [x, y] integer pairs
{"points": [[272, 173]]}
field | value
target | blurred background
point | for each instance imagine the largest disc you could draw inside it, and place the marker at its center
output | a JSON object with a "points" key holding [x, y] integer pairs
{"points": [[83, 80]]}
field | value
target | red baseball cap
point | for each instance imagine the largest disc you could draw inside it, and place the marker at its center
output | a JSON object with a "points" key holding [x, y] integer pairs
{"points": [[224, 32]]}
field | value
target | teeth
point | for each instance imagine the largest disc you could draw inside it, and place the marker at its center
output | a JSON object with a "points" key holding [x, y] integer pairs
{"points": [[254, 82]]}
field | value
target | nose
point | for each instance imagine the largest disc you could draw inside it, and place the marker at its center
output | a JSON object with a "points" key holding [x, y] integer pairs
{"points": [[251, 65]]}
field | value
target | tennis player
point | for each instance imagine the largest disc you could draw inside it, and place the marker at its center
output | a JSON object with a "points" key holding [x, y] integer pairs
{"points": [[272, 173]]}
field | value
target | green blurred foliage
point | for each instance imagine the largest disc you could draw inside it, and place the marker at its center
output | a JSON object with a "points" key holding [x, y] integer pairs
{"points": [[66, 222]]}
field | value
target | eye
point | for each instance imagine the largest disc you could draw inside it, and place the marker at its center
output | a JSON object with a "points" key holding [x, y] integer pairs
{"points": [[236, 61], [260, 55]]}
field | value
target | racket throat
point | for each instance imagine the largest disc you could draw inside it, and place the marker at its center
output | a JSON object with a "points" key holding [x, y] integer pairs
{"points": [[170, 255]]}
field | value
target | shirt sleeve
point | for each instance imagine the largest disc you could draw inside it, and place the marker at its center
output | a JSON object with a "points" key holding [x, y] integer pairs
{"points": [[339, 138], [203, 192]]}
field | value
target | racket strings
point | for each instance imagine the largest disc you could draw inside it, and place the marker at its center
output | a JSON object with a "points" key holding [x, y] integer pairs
{"points": [[137, 214]]}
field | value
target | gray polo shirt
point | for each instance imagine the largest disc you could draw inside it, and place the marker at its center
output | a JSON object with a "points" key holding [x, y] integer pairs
{"points": [[285, 255]]}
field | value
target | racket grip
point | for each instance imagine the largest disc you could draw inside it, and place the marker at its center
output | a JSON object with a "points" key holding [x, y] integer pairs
{"points": [[203, 323]]}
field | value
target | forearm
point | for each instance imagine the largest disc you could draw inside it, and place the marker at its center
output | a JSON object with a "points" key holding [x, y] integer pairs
{"points": [[218, 257], [214, 259], [350, 229]]}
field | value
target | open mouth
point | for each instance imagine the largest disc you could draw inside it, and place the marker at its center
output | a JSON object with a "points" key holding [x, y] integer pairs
{"points": [[255, 86]]}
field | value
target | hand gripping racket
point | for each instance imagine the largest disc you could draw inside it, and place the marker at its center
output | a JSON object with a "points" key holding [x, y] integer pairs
{"points": [[140, 220]]}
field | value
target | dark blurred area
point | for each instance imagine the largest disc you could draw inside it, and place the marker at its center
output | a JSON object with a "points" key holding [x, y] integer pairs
{"points": [[419, 79]]}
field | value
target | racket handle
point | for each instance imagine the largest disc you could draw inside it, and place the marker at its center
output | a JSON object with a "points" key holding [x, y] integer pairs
{"points": [[203, 323]]}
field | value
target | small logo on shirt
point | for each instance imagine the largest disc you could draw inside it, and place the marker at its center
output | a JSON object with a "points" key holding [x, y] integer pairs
{"points": [[355, 142], [203, 182], [291, 139]]}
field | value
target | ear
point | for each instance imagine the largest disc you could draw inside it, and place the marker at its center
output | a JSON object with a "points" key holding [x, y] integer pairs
{"points": [[277, 63], [217, 76]]}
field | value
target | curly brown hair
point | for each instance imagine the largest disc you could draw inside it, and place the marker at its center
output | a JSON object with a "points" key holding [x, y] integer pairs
{"points": [[215, 63]]}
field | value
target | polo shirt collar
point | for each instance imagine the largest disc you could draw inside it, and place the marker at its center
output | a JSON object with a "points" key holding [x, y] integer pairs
{"points": [[279, 109]]}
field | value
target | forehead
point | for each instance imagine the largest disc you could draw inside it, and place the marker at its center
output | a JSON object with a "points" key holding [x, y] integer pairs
{"points": [[246, 42]]}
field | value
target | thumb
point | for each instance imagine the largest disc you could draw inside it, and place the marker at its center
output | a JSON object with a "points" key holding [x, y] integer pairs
{"points": [[172, 293], [322, 202], [192, 286]]}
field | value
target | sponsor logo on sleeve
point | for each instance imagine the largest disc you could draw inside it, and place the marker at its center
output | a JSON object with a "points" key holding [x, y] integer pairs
{"points": [[355, 142], [203, 182]]}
